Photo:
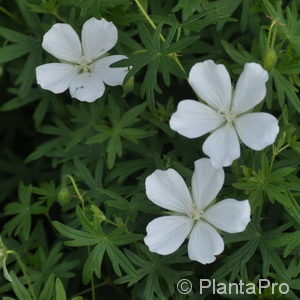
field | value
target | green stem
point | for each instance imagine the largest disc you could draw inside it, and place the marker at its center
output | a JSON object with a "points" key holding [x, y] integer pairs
{"points": [[92, 289], [76, 189], [23, 268], [89, 289], [270, 35], [273, 38], [274, 154], [9, 14], [59, 17], [147, 17]]}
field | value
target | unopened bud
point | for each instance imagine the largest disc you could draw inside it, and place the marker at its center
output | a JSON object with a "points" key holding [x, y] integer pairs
{"points": [[128, 86], [270, 59], [63, 196], [97, 213]]}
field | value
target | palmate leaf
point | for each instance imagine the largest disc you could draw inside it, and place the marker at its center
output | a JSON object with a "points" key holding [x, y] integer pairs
{"points": [[285, 89], [52, 263], [21, 46], [103, 243], [119, 130], [20, 224], [290, 240], [158, 55], [55, 290], [156, 272]]}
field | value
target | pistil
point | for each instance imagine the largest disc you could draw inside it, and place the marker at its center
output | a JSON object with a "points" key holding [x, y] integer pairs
{"points": [[85, 64]]}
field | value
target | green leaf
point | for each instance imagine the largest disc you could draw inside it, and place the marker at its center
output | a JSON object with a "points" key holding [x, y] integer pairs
{"points": [[285, 89], [20, 224], [60, 291], [93, 263], [12, 52], [47, 291], [79, 238], [19, 289]]}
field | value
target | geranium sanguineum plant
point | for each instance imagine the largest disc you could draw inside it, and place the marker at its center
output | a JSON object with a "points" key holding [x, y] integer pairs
{"points": [[84, 65], [193, 212], [226, 114]]}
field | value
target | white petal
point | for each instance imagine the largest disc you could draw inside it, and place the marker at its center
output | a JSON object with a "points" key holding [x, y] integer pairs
{"points": [[111, 76], [229, 215], [211, 82], [207, 181], [62, 42], [168, 190], [250, 88], [205, 243], [166, 234], [55, 77], [98, 37], [257, 130], [193, 119], [222, 146], [87, 87]]}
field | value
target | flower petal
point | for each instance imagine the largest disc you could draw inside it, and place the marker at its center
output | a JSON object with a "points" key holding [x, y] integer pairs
{"points": [[250, 88], [111, 76], [168, 190], [87, 87], [194, 119], [166, 234], [55, 77], [62, 42], [257, 130], [229, 215], [98, 37], [222, 146], [207, 181], [211, 82], [205, 243]]}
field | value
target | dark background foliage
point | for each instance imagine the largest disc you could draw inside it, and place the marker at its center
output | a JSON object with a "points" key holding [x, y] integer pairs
{"points": [[72, 196]]}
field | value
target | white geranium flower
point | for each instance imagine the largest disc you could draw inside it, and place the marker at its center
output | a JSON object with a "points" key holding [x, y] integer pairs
{"points": [[195, 216], [84, 67], [225, 115]]}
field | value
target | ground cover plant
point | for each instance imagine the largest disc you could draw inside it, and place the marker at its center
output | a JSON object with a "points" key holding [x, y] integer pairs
{"points": [[146, 145]]}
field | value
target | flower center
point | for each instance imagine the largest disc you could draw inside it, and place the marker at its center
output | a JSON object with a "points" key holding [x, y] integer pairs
{"points": [[229, 116], [85, 64], [196, 215]]}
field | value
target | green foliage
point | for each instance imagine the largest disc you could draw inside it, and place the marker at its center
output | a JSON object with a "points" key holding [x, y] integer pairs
{"points": [[72, 193]]}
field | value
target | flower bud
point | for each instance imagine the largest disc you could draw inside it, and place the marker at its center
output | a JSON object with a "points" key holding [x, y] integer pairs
{"points": [[270, 59], [63, 196], [128, 86], [97, 213]]}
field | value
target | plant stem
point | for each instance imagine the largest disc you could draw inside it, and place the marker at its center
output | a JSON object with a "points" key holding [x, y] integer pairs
{"points": [[23, 268], [92, 281], [76, 189], [144, 13], [147, 17], [89, 289], [9, 14]]}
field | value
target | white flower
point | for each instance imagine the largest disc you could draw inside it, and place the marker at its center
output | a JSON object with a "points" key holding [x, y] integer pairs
{"points": [[195, 216], [84, 67], [226, 115]]}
